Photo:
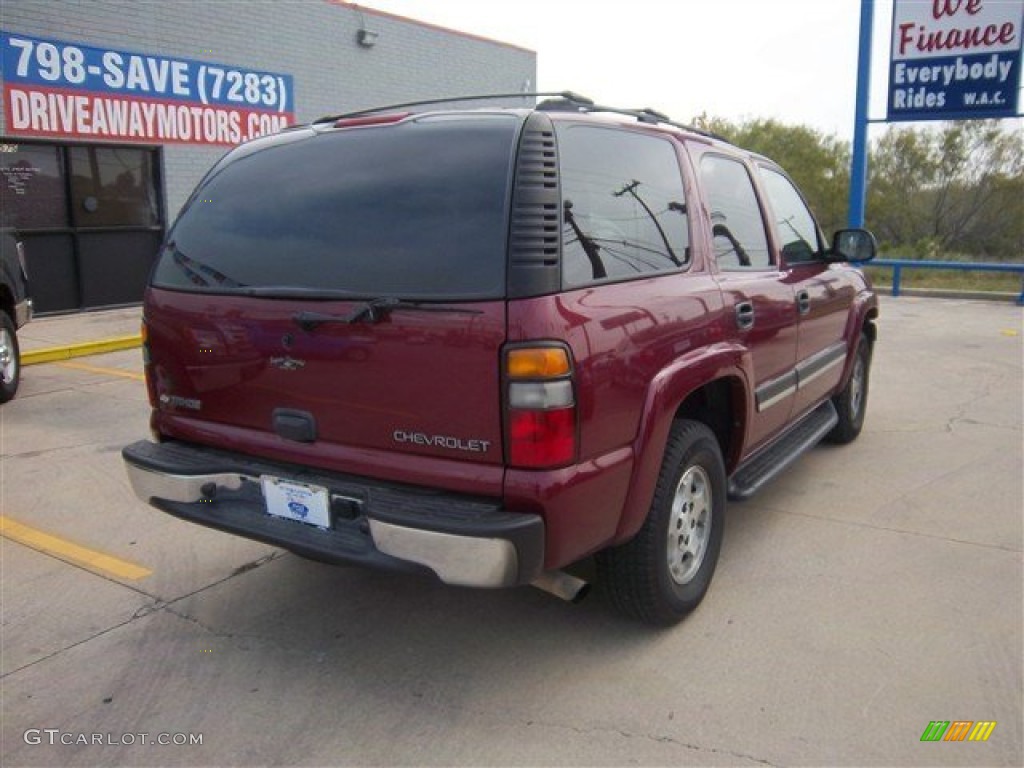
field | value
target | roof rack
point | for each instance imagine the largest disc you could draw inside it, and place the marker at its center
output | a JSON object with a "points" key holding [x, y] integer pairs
{"points": [[644, 114], [568, 96], [555, 101]]}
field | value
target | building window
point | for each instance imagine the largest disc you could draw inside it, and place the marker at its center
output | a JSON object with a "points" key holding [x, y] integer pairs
{"points": [[33, 193], [90, 216], [113, 187]]}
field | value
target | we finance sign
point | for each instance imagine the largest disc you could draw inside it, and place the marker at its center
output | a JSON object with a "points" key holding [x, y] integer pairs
{"points": [[69, 90], [955, 59]]}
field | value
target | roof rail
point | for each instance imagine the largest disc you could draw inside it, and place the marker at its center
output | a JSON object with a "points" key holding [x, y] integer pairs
{"points": [[644, 115], [569, 97], [555, 101]]}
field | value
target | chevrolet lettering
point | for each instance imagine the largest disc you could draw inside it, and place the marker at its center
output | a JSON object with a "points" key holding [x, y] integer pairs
{"points": [[441, 441]]}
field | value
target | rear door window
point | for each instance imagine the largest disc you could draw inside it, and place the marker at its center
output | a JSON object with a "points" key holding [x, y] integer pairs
{"points": [[737, 226], [624, 206], [418, 209]]}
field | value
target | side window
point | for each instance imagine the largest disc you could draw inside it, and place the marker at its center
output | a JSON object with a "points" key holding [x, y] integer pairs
{"points": [[32, 187], [794, 225], [624, 209], [738, 229], [113, 186]]}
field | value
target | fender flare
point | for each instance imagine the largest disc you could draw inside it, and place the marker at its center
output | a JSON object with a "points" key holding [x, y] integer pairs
{"points": [[667, 391], [862, 313]]}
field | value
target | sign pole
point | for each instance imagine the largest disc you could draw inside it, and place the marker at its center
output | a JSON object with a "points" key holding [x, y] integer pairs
{"points": [[859, 165]]}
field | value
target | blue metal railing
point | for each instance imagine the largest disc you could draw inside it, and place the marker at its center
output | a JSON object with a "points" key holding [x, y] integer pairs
{"points": [[898, 265]]}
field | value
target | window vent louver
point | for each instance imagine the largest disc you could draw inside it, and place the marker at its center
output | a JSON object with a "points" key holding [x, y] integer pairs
{"points": [[536, 224]]}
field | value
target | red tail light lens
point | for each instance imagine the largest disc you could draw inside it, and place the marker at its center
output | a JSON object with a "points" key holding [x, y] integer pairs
{"points": [[540, 407], [148, 364], [540, 439]]}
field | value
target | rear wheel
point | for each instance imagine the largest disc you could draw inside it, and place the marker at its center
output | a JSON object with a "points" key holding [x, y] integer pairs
{"points": [[852, 400], [664, 571], [10, 358]]}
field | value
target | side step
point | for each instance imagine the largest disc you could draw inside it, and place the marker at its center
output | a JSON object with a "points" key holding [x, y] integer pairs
{"points": [[765, 465]]}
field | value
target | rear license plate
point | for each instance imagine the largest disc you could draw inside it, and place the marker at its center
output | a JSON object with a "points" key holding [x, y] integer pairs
{"points": [[296, 501]]}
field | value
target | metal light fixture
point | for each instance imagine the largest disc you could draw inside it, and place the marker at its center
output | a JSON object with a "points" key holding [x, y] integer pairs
{"points": [[367, 38]]}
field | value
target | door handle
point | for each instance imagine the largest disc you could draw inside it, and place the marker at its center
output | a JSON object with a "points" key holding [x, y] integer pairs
{"points": [[744, 315], [803, 302]]}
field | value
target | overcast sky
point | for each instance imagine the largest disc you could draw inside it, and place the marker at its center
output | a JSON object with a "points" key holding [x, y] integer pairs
{"points": [[794, 60]]}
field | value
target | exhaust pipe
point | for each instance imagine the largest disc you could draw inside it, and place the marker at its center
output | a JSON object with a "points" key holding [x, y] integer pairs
{"points": [[562, 585]]}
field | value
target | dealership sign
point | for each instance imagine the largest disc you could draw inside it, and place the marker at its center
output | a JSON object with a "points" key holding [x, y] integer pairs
{"points": [[67, 90], [955, 59]]}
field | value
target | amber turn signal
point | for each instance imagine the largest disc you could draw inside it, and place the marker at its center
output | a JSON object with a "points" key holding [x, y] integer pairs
{"points": [[537, 363]]}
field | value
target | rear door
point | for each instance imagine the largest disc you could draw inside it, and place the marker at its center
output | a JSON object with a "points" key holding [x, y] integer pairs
{"points": [[762, 302], [823, 295], [335, 297]]}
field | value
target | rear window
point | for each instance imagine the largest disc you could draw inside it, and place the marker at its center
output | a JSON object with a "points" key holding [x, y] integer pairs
{"points": [[417, 209]]}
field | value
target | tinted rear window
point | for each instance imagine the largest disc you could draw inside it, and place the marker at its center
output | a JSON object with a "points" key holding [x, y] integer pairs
{"points": [[412, 210]]}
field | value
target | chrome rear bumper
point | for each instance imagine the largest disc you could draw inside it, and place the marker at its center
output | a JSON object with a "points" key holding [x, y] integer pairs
{"points": [[464, 541]]}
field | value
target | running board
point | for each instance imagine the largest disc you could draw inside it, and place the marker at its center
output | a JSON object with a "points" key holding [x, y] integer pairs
{"points": [[765, 465]]}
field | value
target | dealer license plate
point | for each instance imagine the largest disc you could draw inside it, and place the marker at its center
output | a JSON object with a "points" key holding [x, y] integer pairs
{"points": [[296, 501]]}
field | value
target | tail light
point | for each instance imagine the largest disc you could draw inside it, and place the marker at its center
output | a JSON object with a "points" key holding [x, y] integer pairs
{"points": [[540, 407], [148, 364], [19, 248]]}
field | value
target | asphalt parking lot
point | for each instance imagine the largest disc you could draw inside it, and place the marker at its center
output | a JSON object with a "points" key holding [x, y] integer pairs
{"points": [[872, 589]]}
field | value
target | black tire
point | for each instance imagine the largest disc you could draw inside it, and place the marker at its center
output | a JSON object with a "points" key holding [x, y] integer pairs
{"points": [[10, 358], [657, 577], [852, 400]]}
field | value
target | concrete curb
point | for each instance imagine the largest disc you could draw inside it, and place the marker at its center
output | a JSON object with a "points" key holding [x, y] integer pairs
{"points": [[83, 349]]}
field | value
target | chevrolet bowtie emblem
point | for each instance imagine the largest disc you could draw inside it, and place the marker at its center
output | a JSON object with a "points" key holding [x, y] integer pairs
{"points": [[287, 363]]}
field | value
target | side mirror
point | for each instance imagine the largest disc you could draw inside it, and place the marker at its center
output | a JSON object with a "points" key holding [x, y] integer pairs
{"points": [[855, 246]]}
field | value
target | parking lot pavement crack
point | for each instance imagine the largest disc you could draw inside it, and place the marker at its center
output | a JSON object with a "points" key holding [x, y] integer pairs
{"points": [[100, 446], [961, 414], [889, 529], [195, 620], [986, 424], [659, 739], [142, 612], [157, 605], [697, 748], [244, 568], [170, 605]]}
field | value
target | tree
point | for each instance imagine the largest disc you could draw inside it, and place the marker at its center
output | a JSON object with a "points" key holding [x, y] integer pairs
{"points": [[955, 190], [819, 164]]}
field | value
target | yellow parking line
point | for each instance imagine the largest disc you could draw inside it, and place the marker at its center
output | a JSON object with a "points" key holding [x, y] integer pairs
{"points": [[70, 552], [104, 371]]}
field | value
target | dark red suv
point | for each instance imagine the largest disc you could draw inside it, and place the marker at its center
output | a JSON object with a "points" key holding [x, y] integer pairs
{"points": [[487, 343]]}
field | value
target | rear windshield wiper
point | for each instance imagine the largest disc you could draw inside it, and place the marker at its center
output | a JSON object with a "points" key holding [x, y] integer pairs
{"points": [[373, 311]]}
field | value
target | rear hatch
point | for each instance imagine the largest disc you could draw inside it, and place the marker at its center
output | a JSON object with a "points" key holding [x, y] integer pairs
{"points": [[335, 296]]}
